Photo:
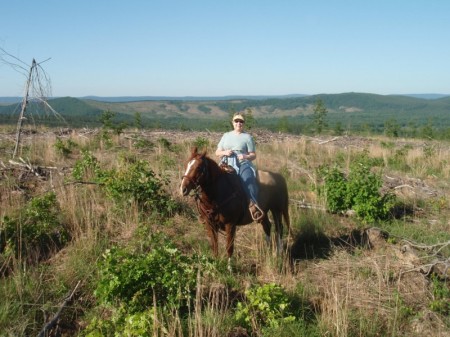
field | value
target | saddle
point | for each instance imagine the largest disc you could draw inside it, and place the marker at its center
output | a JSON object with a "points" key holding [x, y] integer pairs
{"points": [[227, 168]]}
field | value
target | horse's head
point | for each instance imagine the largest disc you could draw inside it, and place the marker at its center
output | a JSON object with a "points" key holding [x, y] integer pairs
{"points": [[196, 172]]}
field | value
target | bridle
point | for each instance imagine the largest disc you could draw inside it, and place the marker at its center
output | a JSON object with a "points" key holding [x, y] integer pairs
{"points": [[204, 173]]}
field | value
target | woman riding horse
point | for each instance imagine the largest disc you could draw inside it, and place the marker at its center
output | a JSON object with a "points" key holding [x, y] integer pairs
{"points": [[238, 149]]}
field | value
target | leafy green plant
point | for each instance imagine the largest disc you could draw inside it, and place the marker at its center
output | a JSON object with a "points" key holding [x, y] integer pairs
{"points": [[201, 142], [64, 148], [131, 283], [131, 182], [335, 189], [398, 160], [142, 143], [37, 227], [359, 191], [163, 274], [137, 182], [87, 167], [429, 150], [166, 144], [265, 306], [363, 194], [441, 296]]}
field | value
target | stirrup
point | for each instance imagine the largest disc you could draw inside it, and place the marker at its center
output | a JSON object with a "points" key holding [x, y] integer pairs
{"points": [[256, 212]]}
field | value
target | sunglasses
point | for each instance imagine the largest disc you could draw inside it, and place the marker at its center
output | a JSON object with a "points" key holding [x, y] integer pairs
{"points": [[239, 121]]}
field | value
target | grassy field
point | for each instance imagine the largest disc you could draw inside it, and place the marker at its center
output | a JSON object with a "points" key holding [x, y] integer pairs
{"points": [[95, 236]]}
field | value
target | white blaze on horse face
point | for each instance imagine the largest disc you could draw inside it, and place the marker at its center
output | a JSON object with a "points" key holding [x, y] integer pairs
{"points": [[188, 170]]}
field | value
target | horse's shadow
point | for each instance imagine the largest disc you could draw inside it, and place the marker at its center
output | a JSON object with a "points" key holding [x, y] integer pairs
{"points": [[312, 243]]}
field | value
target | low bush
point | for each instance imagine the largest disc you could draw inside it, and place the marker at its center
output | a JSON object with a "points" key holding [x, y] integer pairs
{"points": [[132, 181], [359, 191], [265, 307], [37, 228], [134, 284]]}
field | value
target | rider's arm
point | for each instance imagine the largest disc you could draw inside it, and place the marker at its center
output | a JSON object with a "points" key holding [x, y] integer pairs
{"points": [[250, 156], [247, 156]]}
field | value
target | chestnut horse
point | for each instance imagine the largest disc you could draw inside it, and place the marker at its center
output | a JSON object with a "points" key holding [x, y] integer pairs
{"points": [[223, 204]]}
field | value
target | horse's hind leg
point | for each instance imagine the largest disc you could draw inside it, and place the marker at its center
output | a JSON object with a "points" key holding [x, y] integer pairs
{"points": [[278, 230], [267, 226]]}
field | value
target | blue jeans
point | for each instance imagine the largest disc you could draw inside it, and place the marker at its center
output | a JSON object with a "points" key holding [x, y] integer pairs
{"points": [[247, 175]]}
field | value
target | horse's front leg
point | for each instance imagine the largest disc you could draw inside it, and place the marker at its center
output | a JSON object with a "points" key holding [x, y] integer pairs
{"points": [[213, 238], [230, 230]]}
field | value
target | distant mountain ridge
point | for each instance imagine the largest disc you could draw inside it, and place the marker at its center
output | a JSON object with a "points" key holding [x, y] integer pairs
{"points": [[120, 99], [346, 108]]}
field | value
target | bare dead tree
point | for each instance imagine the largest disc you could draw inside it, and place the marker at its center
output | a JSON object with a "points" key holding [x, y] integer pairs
{"points": [[24, 107], [37, 88]]}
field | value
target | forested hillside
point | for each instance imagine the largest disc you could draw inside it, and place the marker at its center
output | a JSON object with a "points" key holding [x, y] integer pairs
{"points": [[358, 112]]}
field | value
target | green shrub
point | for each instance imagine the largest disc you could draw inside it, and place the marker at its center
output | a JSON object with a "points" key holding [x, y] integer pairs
{"points": [[64, 148], [131, 283], [265, 307], [359, 191], [166, 144], [335, 189], [363, 194], [131, 182], [136, 182], [37, 227], [441, 296], [87, 167], [398, 160], [142, 143], [201, 142]]}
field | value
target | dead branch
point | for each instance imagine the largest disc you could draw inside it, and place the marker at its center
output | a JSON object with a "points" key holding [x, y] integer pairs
{"points": [[303, 204], [431, 248], [79, 182], [302, 170], [402, 186], [438, 267], [25, 165], [328, 141], [55, 318]]}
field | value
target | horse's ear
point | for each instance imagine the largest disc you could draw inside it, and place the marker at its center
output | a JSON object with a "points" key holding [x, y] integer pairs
{"points": [[195, 152]]}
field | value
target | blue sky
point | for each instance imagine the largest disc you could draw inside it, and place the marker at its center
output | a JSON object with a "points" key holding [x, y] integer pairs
{"points": [[233, 47]]}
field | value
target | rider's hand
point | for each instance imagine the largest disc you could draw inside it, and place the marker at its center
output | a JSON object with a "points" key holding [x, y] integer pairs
{"points": [[227, 153]]}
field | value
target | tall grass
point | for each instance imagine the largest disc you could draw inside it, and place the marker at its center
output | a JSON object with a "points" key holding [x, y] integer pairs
{"points": [[339, 289]]}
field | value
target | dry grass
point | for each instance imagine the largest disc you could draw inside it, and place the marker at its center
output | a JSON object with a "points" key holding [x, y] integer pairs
{"points": [[353, 291]]}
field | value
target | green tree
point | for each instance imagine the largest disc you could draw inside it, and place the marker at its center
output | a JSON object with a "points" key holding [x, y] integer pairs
{"points": [[427, 130], [338, 130], [107, 119], [319, 116], [250, 120], [138, 120], [391, 128], [283, 124]]}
